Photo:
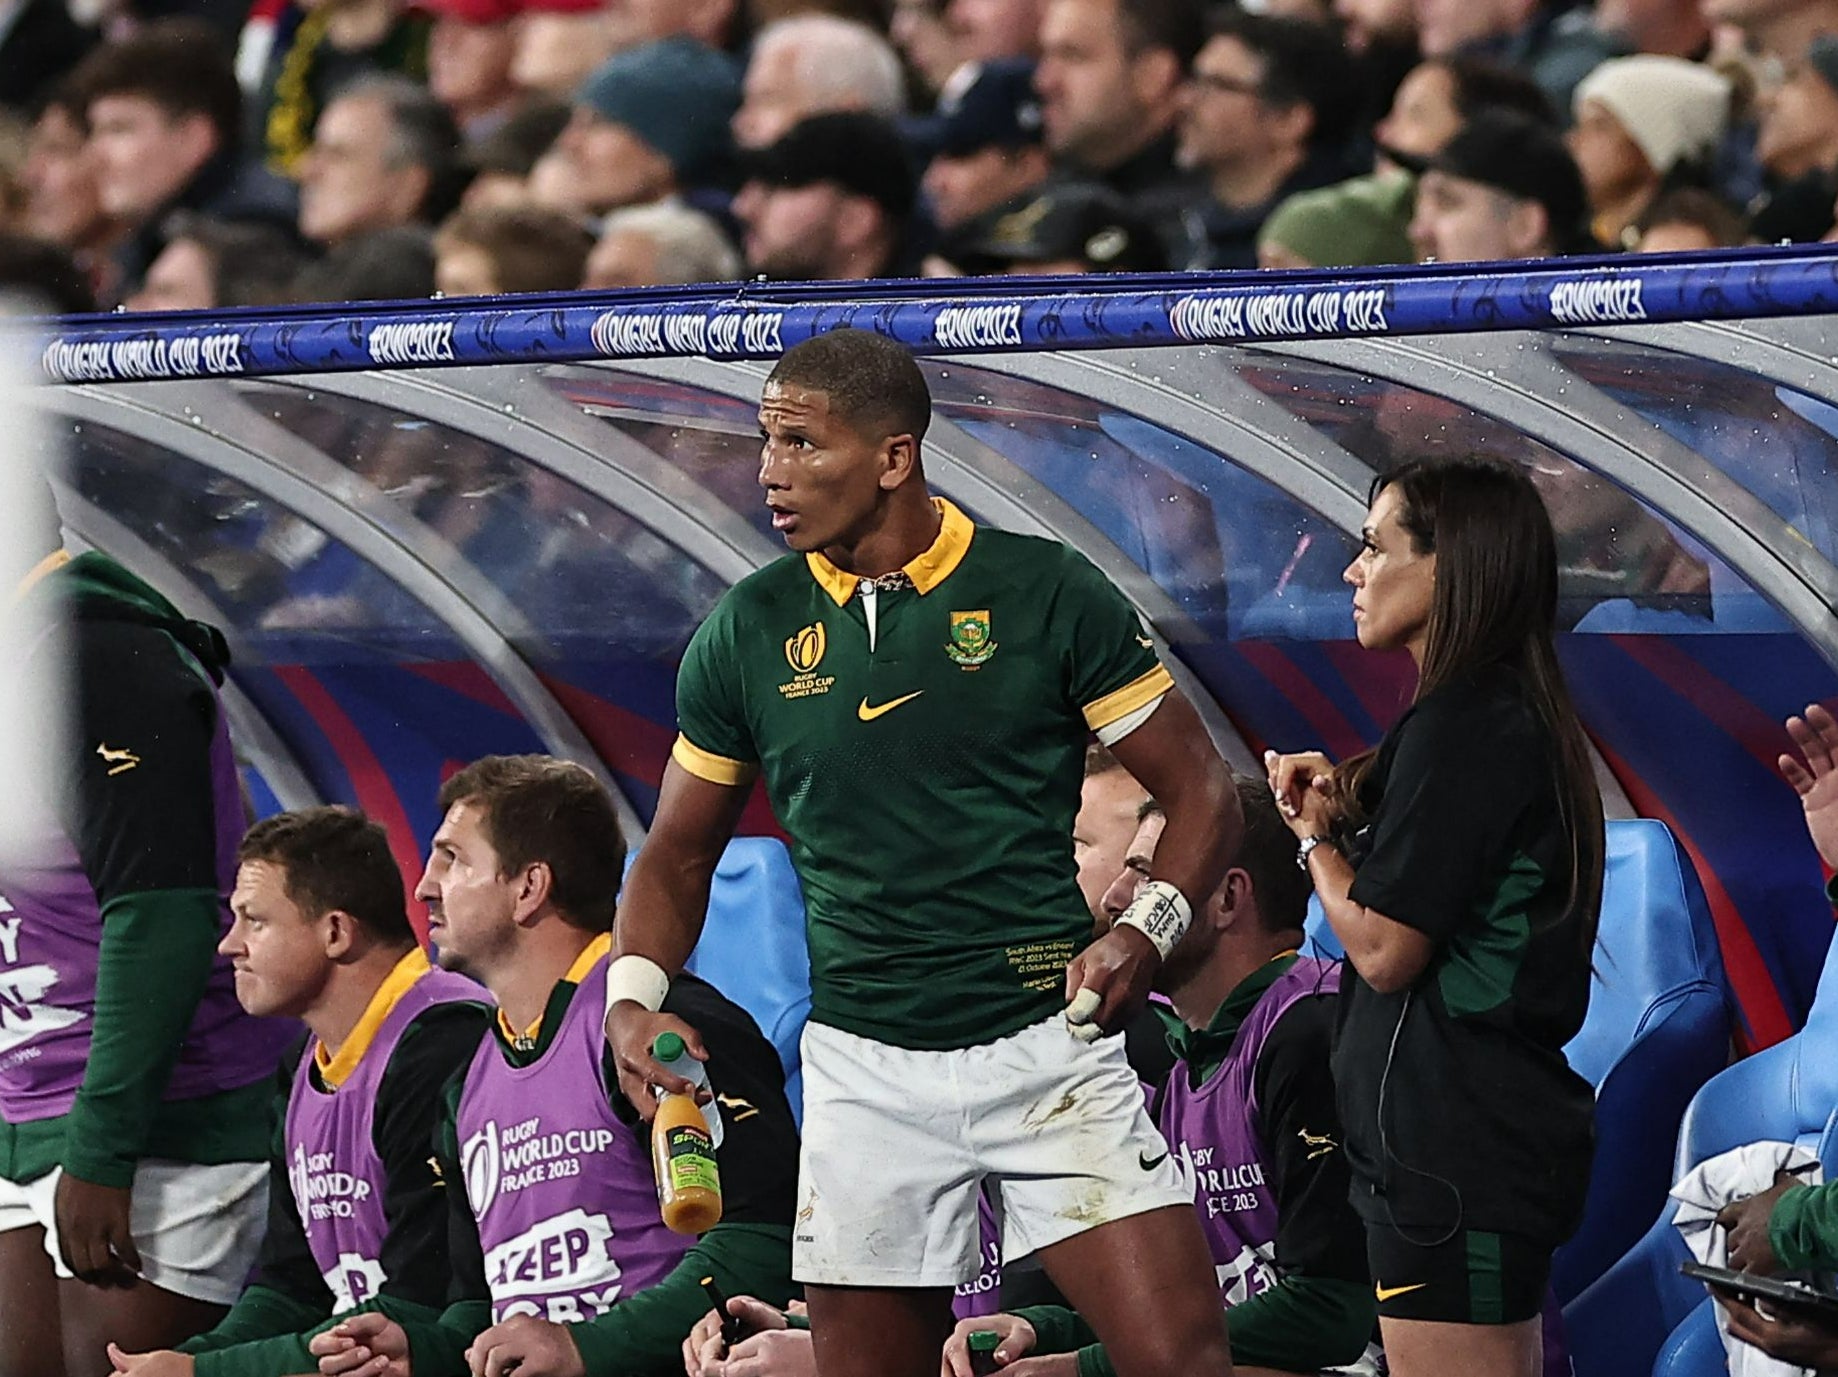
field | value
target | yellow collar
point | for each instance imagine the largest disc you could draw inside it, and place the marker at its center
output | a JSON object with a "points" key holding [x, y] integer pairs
{"points": [[927, 570], [592, 952], [334, 1071], [57, 559]]}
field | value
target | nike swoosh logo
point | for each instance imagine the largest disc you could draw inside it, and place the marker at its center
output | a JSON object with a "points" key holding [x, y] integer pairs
{"points": [[1148, 1163], [869, 712], [1385, 1293]]}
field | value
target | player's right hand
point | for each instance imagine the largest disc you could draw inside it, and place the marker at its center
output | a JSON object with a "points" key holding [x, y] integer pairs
{"points": [[1117, 969], [93, 1232], [366, 1345], [630, 1030], [1018, 1339]]}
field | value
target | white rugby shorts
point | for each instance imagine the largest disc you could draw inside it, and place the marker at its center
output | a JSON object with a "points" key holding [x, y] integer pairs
{"points": [[198, 1228], [897, 1142]]}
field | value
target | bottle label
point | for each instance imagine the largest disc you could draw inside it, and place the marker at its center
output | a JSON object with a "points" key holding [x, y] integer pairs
{"points": [[689, 1159]]}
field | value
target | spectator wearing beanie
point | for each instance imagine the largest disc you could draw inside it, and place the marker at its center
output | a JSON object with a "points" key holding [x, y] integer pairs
{"points": [[1505, 187], [1798, 147], [1643, 123], [651, 122], [1356, 224]]}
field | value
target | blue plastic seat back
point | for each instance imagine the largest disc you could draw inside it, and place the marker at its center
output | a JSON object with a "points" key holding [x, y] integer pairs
{"points": [[1641, 1316], [753, 947]]}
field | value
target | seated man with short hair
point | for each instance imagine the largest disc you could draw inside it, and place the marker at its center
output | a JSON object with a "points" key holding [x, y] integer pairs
{"points": [[562, 1266], [1249, 1112]]}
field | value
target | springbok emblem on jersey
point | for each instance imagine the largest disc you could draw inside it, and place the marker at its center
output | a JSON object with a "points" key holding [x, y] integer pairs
{"points": [[970, 642]]}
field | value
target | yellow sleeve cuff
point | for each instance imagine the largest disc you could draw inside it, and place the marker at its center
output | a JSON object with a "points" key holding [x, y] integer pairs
{"points": [[716, 769], [1127, 699]]}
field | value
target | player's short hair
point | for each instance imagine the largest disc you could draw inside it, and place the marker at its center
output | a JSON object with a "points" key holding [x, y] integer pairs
{"points": [[334, 859], [871, 381], [1267, 853], [1099, 760], [537, 808]]}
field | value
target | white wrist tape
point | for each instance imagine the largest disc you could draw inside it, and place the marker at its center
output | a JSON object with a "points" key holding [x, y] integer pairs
{"points": [[639, 979], [1161, 912]]}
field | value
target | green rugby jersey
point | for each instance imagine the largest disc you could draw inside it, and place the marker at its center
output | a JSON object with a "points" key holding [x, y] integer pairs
{"points": [[928, 776]]}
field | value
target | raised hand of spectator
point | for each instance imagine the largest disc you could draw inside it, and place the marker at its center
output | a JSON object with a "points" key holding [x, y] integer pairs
{"points": [[1815, 779], [367, 1345], [1018, 1340], [704, 1350], [1792, 1335]]}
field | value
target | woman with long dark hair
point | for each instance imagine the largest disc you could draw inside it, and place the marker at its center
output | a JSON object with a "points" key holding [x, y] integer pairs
{"points": [[1460, 864]]}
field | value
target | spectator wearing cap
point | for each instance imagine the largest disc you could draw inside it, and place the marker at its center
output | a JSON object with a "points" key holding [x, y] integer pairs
{"points": [[1690, 218], [661, 245], [831, 201], [1643, 123], [1356, 224], [500, 163], [384, 154], [651, 122], [1504, 187], [1068, 227], [508, 249], [208, 264], [1436, 98], [1556, 47], [1110, 81], [1798, 147], [470, 51], [812, 64], [164, 116], [1265, 113], [986, 143]]}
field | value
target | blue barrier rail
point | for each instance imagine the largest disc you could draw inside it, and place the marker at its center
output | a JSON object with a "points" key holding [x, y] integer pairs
{"points": [[757, 320]]}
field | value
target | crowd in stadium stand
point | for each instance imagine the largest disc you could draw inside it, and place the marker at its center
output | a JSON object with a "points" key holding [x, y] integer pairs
{"points": [[163, 154]]}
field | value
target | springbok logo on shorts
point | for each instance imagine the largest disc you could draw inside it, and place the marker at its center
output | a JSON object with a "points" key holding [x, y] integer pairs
{"points": [[479, 1165]]}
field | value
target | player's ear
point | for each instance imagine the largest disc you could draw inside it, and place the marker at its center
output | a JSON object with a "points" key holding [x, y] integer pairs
{"points": [[899, 461], [341, 934], [535, 888]]}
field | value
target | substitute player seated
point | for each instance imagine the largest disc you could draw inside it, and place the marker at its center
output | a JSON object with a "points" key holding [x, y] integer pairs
{"points": [[1249, 1112], [562, 1265], [356, 1212]]}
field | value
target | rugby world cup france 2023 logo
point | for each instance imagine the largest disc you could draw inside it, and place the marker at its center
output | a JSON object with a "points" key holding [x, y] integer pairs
{"points": [[479, 1164], [804, 649]]}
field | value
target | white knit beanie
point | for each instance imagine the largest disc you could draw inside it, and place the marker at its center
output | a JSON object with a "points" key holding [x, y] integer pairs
{"points": [[1672, 109]]}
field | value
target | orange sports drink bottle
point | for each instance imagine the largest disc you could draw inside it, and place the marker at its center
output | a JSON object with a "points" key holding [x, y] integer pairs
{"points": [[683, 1154]]}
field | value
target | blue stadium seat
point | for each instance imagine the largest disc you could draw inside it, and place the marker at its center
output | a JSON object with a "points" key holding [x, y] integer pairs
{"points": [[753, 948], [1658, 1027], [1641, 1316]]}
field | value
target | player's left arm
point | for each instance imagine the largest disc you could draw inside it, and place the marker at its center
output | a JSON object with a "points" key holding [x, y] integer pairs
{"points": [[143, 820], [1129, 700]]}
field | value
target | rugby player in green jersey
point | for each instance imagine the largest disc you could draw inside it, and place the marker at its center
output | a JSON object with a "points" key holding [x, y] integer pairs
{"points": [[917, 694]]}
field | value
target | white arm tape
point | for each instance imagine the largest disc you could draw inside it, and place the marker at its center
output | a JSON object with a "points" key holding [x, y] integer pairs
{"points": [[639, 979], [1124, 725], [1161, 912]]}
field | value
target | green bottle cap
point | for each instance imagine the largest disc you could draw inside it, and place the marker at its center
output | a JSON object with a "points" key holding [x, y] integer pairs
{"points": [[985, 1341], [668, 1047]]}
